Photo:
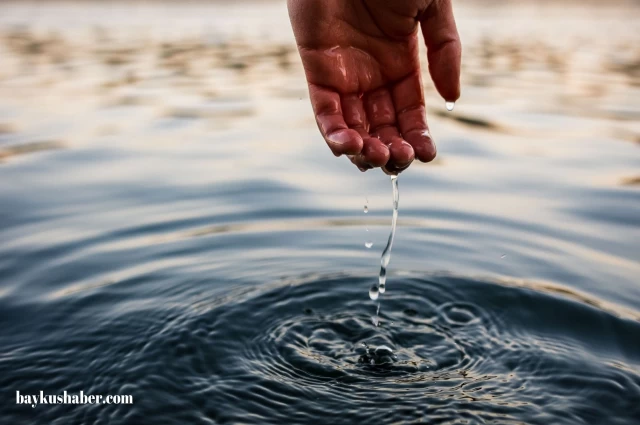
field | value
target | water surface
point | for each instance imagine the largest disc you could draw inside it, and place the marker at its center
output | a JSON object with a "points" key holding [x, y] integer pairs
{"points": [[173, 227]]}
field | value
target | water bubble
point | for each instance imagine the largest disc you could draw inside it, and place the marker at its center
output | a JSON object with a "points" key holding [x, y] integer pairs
{"points": [[383, 350], [368, 244], [450, 106], [373, 292]]}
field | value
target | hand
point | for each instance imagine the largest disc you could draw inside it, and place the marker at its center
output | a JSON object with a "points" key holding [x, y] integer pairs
{"points": [[361, 62]]}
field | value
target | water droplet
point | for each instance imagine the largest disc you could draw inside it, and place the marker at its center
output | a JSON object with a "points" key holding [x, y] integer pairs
{"points": [[503, 256], [382, 288], [366, 209], [450, 106], [373, 292], [368, 244]]}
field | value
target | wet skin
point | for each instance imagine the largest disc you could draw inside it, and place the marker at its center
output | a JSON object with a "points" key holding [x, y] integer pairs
{"points": [[362, 66]]}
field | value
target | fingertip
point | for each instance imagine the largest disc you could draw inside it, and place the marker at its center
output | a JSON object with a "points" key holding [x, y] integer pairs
{"points": [[375, 153], [426, 152], [401, 154], [393, 170], [359, 162], [345, 142], [423, 145]]}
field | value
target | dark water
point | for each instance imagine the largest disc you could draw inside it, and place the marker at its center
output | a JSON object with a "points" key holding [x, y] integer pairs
{"points": [[173, 228], [468, 350]]}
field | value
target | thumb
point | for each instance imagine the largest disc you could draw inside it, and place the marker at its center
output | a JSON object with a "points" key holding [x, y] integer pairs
{"points": [[443, 48]]}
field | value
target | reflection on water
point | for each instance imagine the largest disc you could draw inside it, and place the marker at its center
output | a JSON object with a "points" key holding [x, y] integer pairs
{"points": [[173, 226]]}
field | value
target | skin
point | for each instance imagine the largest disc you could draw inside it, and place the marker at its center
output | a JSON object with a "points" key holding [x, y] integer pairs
{"points": [[362, 66]]}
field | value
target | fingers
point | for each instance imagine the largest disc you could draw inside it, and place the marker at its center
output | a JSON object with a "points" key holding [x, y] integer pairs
{"points": [[401, 153], [339, 137], [443, 48], [374, 152], [412, 121], [381, 115]]}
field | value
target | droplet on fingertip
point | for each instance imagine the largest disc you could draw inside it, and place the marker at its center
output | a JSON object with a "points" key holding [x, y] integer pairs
{"points": [[450, 106]]}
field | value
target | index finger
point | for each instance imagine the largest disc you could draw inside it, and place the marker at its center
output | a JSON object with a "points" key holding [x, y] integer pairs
{"points": [[443, 48]]}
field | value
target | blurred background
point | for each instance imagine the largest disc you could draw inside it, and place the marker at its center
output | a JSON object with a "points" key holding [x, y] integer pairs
{"points": [[153, 154], [152, 117]]}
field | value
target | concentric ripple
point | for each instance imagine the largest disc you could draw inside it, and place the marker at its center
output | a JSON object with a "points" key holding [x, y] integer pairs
{"points": [[448, 350], [462, 349]]}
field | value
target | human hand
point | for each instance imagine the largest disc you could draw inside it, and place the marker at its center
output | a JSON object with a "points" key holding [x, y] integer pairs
{"points": [[362, 66]]}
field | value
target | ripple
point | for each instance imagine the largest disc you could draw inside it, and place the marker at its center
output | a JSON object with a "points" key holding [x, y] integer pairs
{"points": [[300, 350]]}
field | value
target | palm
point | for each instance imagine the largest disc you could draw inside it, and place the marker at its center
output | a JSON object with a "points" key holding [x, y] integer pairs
{"points": [[356, 57], [362, 65]]}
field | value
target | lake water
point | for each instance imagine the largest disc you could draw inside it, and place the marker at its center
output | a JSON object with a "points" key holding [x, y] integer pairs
{"points": [[173, 227]]}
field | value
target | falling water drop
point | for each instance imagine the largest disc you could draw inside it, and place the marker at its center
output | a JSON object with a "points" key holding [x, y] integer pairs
{"points": [[450, 106], [376, 320], [373, 292], [386, 254], [368, 244]]}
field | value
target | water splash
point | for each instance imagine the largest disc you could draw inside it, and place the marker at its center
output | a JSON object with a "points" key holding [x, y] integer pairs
{"points": [[379, 356], [450, 106], [368, 244]]}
